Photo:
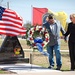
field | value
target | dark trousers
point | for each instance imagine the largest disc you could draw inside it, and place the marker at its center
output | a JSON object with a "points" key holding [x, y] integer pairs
{"points": [[71, 45]]}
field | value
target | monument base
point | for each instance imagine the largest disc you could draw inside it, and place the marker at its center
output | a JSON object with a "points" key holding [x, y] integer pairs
{"points": [[11, 51]]}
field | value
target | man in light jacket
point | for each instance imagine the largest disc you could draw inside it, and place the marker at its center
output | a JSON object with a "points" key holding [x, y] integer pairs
{"points": [[54, 27]]}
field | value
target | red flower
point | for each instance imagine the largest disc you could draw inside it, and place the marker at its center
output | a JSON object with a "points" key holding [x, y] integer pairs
{"points": [[46, 39], [30, 32], [40, 29], [34, 28], [31, 38], [45, 32], [42, 44]]}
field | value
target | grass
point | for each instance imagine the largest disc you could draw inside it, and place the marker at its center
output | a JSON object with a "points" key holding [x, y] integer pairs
{"points": [[64, 45], [24, 46], [42, 60], [1, 71], [4, 72]]}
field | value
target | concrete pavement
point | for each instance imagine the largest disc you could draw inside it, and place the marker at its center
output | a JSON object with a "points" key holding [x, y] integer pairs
{"points": [[29, 69]]}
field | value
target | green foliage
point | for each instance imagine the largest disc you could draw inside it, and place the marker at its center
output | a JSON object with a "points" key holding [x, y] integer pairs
{"points": [[35, 34], [28, 42]]}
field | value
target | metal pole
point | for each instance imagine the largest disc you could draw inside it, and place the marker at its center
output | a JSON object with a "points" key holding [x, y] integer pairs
{"points": [[31, 56], [8, 5], [31, 59]]}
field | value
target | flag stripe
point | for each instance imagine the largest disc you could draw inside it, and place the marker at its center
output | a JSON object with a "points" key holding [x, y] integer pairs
{"points": [[11, 17], [9, 20], [12, 28], [11, 23], [11, 33]]}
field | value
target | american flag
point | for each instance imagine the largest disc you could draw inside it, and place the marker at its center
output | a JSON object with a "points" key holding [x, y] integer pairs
{"points": [[11, 23]]}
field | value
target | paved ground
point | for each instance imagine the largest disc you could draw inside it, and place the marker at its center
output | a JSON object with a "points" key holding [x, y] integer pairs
{"points": [[29, 69]]}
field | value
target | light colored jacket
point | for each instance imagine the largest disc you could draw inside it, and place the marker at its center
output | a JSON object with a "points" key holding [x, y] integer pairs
{"points": [[54, 39]]}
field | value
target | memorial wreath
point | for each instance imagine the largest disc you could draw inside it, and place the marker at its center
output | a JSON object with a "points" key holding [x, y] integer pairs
{"points": [[34, 31]]}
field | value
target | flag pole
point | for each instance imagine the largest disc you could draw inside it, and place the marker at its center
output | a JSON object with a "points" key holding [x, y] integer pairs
{"points": [[31, 15], [8, 5]]}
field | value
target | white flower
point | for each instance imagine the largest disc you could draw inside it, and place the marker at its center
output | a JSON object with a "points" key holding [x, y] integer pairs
{"points": [[37, 28], [33, 29]]}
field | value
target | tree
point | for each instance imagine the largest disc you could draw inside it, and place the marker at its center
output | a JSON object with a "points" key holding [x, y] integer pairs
{"points": [[27, 25]]}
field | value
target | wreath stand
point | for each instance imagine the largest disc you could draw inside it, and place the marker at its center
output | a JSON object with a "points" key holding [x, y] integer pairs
{"points": [[34, 32], [7, 54], [32, 56]]}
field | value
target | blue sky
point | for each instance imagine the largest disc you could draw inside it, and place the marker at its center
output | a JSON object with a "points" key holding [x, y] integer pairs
{"points": [[23, 7]]}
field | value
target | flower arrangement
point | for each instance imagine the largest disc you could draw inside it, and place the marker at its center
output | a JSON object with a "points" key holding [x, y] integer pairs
{"points": [[34, 32]]}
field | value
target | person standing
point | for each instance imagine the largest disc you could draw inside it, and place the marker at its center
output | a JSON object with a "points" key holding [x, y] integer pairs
{"points": [[54, 27], [71, 41]]}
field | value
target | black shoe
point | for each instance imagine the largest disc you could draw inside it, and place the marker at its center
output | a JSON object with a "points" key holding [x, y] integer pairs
{"points": [[58, 68], [51, 67], [72, 69]]}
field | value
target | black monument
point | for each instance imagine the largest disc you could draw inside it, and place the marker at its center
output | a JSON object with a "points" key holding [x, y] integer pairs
{"points": [[11, 50]]}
